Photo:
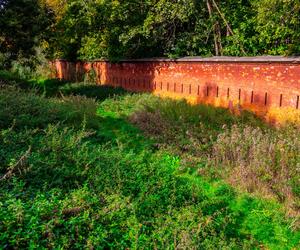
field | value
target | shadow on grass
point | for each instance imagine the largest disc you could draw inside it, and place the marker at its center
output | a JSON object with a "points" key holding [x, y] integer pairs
{"points": [[47, 87], [91, 90], [57, 88]]}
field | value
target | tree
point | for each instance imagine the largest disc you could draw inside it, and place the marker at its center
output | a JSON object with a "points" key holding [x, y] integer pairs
{"points": [[115, 29], [22, 27], [278, 26]]}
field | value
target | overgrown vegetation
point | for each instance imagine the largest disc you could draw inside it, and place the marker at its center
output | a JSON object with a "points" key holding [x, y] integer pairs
{"points": [[131, 170], [243, 150], [85, 166]]}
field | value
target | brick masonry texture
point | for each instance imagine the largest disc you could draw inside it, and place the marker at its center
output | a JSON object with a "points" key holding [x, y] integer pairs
{"points": [[268, 86]]}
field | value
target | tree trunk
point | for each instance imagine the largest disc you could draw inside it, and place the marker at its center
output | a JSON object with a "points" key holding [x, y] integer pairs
{"points": [[209, 8]]}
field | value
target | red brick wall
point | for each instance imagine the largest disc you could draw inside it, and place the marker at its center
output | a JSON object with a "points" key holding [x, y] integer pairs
{"points": [[269, 86]]}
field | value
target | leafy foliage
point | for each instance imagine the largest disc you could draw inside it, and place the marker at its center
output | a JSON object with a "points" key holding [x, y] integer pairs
{"points": [[23, 26], [77, 29], [117, 29]]}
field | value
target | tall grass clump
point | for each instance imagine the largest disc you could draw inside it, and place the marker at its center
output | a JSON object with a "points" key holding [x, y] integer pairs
{"points": [[267, 161]]}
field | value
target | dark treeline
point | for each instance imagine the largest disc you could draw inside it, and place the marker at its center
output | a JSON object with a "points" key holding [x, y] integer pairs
{"points": [[115, 29]]}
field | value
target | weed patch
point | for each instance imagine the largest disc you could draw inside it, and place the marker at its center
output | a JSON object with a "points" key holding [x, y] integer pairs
{"points": [[75, 173], [241, 149], [22, 109], [263, 161]]}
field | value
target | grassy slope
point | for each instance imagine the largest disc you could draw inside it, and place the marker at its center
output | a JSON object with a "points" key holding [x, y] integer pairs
{"points": [[79, 174]]}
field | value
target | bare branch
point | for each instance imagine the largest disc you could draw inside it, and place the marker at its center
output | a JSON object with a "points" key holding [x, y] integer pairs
{"points": [[17, 167]]}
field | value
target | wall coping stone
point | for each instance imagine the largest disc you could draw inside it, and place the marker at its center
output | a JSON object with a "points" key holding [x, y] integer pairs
{"points": [[227, 59]]}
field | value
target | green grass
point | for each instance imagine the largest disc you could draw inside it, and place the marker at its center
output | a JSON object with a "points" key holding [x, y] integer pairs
{"points": [[90, 173]]}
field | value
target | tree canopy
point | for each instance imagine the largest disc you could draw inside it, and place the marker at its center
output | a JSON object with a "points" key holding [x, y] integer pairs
{"points": [[115, 29], [23, 26]]}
